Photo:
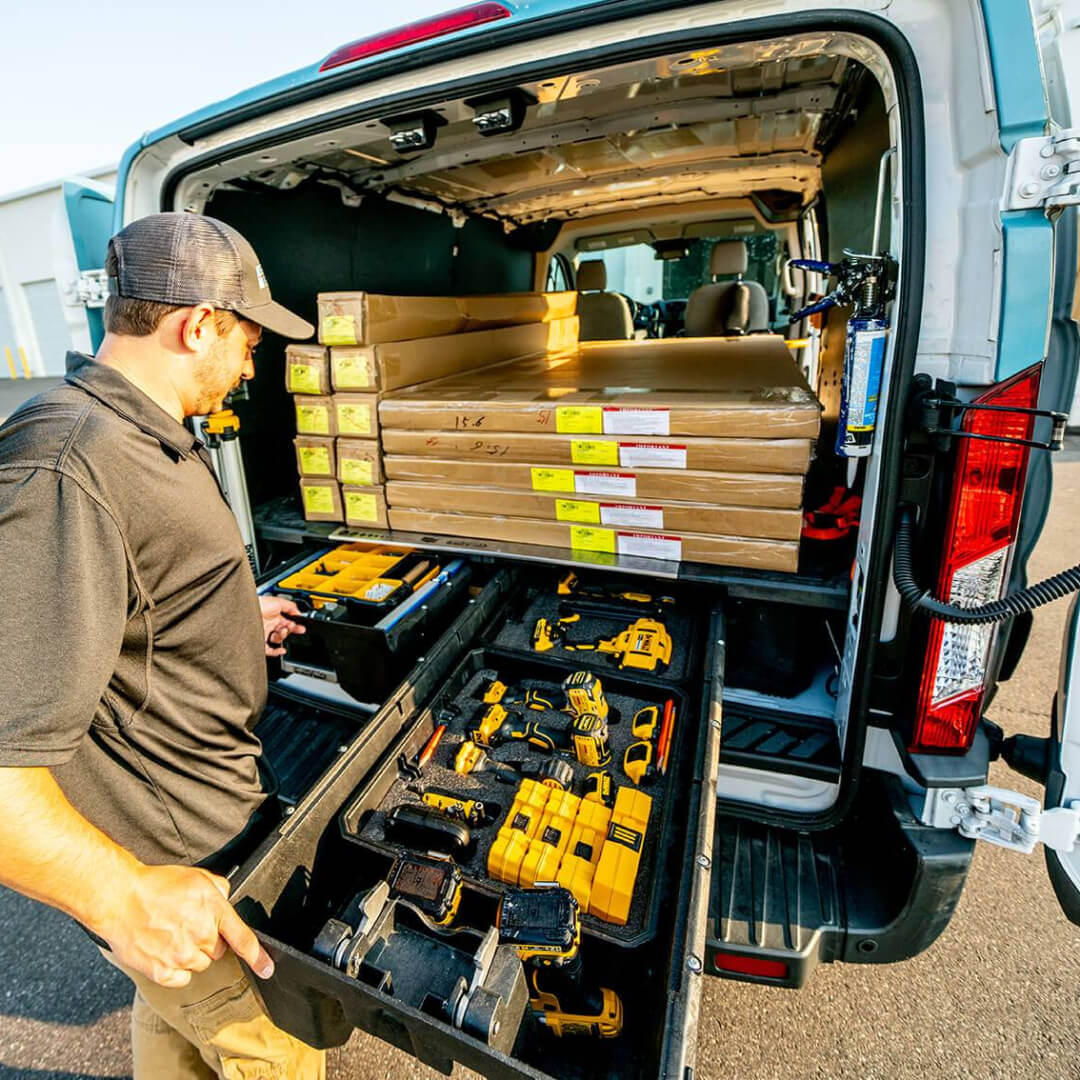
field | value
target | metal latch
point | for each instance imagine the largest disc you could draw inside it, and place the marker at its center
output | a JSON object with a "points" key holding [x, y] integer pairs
{"points": [[935, 413], [1003, 817], [1044, 171], [91, 289]]}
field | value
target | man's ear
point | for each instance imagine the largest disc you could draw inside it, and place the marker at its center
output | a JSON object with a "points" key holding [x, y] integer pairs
{"points": [[198, 329]]}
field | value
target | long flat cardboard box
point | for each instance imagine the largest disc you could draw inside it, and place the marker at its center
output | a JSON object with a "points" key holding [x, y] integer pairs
{"points": [[766, 523], [719, 488], [362, 318], [711, 455], [746, 387], [600, 541], [397, 364]]}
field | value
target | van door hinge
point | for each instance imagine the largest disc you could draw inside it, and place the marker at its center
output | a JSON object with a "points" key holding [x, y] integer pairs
{"points": [[1044, 171], [91, 289], [1003, 817]]}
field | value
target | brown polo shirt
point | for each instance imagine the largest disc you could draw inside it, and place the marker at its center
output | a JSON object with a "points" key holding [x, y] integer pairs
{"points": [[132, 657]]}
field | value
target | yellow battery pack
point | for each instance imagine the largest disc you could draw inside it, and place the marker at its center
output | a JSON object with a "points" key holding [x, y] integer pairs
{"points": [[583, 851], [520, 826], [620, 857], [541, 862]]}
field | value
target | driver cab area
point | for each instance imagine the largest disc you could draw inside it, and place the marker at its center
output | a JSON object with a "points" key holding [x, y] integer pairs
{"points": [[699, 278]]}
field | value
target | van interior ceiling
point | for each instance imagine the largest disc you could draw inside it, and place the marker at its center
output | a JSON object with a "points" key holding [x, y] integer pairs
{"points": [[643, 167]]}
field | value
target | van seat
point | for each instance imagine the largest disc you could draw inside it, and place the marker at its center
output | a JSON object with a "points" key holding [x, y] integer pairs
{"points": [[603, 316], [720, 309]]}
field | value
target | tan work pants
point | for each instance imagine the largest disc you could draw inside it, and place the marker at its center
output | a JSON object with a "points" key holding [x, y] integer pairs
{"points": [[213, 1027]]}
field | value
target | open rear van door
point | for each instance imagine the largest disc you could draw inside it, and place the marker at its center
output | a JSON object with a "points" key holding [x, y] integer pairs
{"points": [[89, 208]]}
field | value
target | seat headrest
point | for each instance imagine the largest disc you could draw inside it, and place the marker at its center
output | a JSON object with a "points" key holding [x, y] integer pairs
{"points": [[591, 274], [728, 257]]}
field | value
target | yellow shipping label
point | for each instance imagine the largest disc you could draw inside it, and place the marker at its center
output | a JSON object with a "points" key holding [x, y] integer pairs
{"points": [[312, 419], [360, 507], [552, 479], [352, 372], [315, 460], [590, 452], [579, 419], [353, 419], [304, 379], [585, 538], [573, 510], [339, 330], [361, 473], [318, 498]]}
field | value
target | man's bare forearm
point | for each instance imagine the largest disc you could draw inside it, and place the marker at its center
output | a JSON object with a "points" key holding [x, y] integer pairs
{"points": [[164, 921], [50, 852]]}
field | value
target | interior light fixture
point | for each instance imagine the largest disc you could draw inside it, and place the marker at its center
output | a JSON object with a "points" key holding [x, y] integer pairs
{"points": [[414, 131], [497, 114]]}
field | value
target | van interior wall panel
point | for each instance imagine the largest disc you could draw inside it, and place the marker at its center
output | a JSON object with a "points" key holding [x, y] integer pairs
{"points": [[309, 241], [849, 177]]}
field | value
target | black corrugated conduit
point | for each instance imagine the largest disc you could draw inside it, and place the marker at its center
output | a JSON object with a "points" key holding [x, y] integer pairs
{"points": [[1053, 588]]}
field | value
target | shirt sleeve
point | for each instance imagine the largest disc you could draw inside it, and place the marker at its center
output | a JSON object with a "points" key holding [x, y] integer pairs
{"points": [[63, 609]]}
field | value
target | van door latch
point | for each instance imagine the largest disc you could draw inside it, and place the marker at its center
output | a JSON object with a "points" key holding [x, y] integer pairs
{"points": [[91, 289], [1044, 171], [1002, 817]]}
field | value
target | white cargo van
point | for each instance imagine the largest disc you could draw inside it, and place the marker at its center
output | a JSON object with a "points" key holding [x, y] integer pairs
{"points": [[833, 759]]}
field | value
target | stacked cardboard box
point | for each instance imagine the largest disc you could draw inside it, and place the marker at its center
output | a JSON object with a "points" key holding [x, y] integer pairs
{"points": [[687, 448], [370, 344]]}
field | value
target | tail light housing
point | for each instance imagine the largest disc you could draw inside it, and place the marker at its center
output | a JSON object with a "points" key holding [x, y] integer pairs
{"points": [[415, 32], [984, 514]]}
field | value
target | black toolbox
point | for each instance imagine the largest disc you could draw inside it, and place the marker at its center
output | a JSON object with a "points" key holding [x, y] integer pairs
{"points": [[315, 862], [368, 646]]}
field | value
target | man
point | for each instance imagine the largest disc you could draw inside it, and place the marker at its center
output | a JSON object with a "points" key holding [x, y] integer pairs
{"points": [[134, 645]]}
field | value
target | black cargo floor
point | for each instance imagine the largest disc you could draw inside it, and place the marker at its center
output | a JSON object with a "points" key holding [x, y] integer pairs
{"points": [[466, 690]]}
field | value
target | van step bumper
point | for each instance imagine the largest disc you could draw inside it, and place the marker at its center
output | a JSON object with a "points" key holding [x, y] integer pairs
{"points": [[880, 888]]}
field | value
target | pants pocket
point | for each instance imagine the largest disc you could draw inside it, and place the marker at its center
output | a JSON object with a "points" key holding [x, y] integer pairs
{"points": [[232, 1025]]}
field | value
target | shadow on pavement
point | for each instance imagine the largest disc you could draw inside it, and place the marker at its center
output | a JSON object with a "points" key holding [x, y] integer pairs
{"points": [[8, 1073], [63, 979]]}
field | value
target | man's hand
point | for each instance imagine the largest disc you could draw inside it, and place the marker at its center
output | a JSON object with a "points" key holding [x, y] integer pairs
{"points": [[276, 627], [170, 921], [164, 921]]}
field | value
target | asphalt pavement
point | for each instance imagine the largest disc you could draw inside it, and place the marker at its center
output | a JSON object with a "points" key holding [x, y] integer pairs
{"points": [[997, 997]]}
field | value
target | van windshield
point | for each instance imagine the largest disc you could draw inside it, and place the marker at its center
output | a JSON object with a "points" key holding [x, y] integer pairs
{"points": [[637, 272]]}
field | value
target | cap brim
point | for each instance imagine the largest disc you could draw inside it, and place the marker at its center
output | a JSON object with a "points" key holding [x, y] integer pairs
{"points": [[280, 320]]}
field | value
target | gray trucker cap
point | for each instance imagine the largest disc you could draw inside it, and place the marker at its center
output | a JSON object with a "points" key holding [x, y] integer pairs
{"points": [[183, 259]]}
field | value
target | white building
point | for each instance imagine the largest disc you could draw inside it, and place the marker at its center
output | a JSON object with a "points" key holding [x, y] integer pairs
{"points": [[37, 271]]}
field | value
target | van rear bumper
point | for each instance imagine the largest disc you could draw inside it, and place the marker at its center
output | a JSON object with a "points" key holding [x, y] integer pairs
{"points": [[880, 888]]}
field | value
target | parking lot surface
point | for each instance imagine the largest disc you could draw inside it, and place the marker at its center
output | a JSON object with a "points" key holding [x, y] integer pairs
{"points": [[998, 996]]}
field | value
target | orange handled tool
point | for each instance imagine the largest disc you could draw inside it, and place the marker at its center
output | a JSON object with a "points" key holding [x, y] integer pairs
{"points": [[663, 742]]}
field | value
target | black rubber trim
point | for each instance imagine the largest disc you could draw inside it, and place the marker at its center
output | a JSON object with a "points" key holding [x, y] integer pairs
{"points": [[909, 298], [948, 770]]}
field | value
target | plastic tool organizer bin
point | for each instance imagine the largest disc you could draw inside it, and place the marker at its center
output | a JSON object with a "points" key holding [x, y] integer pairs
{"points": [[362, 821], [311, 869], [366, 658]]}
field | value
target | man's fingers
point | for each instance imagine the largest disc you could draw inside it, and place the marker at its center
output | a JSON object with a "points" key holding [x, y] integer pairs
{"points": [[223, 885], [219, 949], [242, 940], [171, 977]]}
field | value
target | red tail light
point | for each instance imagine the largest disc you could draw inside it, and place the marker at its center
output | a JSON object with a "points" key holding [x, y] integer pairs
{"points": [[756, 966], [988, 491], [414, 33]]}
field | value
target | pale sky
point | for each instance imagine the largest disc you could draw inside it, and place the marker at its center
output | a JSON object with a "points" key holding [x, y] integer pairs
{"points": [[80, 82]]}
